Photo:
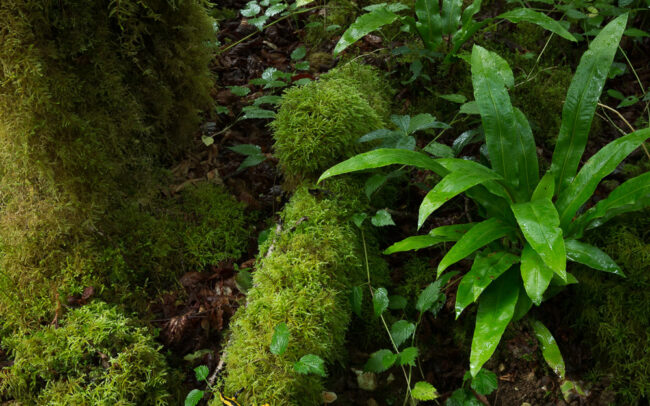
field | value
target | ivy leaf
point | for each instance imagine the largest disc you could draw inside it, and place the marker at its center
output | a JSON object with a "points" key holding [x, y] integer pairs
{"points": [[310, 364], [400, 331], [380, 361], [380, 301], [382, 218], [408, 355], [280, 339], [194, 397], [201, 372], [424, 391]]}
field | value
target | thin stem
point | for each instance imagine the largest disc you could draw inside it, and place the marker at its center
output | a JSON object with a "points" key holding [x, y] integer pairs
{"points": [[604, 106]]}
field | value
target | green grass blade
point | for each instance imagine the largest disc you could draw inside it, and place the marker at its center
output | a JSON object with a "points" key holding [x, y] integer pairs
{"points": [[476, 237], [539, 222], [535, 274], [384, 157], [632, 195], [594, 170], [593, 257], [495, 310], [364, 25], [485, 270], [550, 350], [581, 101], [535, 17]]}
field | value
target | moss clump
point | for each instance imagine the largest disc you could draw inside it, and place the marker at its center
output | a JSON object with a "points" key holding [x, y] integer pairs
{"points": [[95, 357], [94, 100], [613, 312], [318, 124], [302, 282]]}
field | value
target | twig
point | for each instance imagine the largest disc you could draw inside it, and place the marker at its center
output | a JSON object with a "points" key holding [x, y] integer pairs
{"points": [[627, 123]]}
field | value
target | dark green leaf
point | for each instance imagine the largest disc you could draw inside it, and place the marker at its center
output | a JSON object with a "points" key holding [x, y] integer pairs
{"points": [[364, 25], [246, 149], [251, 160], [267, 99], [356, 298], [302, 65], [451, 11], [466, 138], [485, 382], [408, 355], [382, 218], [239, 90], [380, 361], [429, 22], [581, 100], [299, 53], [495, 310], [454, 98], [545, 188], [596, 168], [374, 182], [535, 274], [485, 270], [423, 122], [380, 301], [310, 364], [359, 218], [591, 256], [470, 108], [280, 339], [535, 17], [201, 372], [397, 302], [478, 236], [194, 397], [400, 331], [550, 350]]}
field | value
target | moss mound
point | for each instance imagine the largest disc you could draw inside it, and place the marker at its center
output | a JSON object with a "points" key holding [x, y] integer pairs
{"points": [[95, 357], [94, 100], [614, 311], [318, 124]]}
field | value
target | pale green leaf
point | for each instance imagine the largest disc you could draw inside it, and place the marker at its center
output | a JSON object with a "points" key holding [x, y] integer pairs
{"points": [[280, 339], [550, 350], [310, 364], [380, 301], [194, 397], [424, 391], [382, 218]]}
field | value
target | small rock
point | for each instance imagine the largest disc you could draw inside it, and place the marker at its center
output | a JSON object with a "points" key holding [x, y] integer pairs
{"points": [[329, 397], [502, 367], [366, 380]]}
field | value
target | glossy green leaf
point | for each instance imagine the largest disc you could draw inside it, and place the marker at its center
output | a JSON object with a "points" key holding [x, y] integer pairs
{"points": [[601, 164], [524, 304], [201, 372], [380, 361], [485, 270], [539, 221], [408, 355], [356, 299], [310, 364], [452, 185], [535, 274], [581, 101], [400, 331], [550, 350], [436, 236], [380, 301], [510, 146], [364, 25], [433, 293], [495, 310], [535, 17], [451, 12], [632, 195], [424, 391], [280, 339], [528, 164], [384, 157], [194, 397], [545, 188], [251, 9], [586, 254], [478, 236], [470, 11], [429, 22]]}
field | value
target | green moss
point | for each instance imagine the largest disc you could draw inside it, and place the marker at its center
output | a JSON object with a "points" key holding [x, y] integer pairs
{"points": [[613, 311], [303, 282], [318, 124], [94, 100], [95, 357]]}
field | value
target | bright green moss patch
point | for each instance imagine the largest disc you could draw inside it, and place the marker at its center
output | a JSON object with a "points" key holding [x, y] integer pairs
{"points": [[95, 357], [304, 282], [614, 311], [319, 124]]}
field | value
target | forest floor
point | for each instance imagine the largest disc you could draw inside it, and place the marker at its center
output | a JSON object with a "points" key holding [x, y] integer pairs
{"points": [[189, 321]]}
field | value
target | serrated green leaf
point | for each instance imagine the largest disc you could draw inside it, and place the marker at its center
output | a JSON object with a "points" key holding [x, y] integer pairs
{"points": [[254, 112], [397, 302], [280, 339], [428, 297], [258, 22], [535, 17], [380, 301], [485, 270], [384, 157], [424, 391], [275, 9], [400, 331], [251, 9], [435, 236], [239, 90], [382, 218], [201, 372], [550, 350], [539, 221], [364, 25], [601, 164], [356, 299], [194, 397], [485, 382], [591, 256], [380, 361], [495, 310], [267, 99], [535, 274], [299, 53], [581, 100], [476, 237], [408, 355], [310, 364]]}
